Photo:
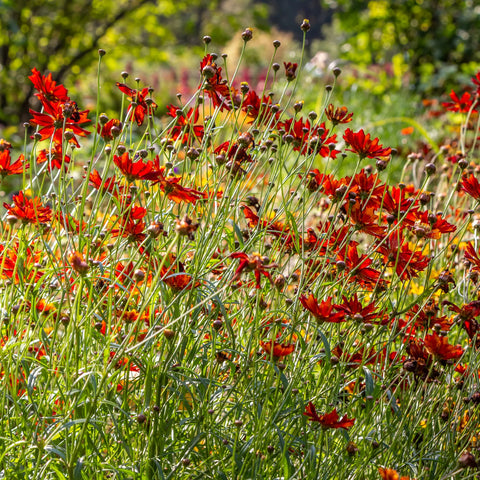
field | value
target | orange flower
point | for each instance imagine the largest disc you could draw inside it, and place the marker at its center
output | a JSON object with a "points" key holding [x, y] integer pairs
{"points": [[29, 211], [391, 474], [9, 168], [277, 350]]}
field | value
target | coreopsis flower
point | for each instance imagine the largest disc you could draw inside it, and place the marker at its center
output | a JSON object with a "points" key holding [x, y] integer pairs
{"points": [[425, 317], [273, 227], [20, 264], [110, 184], [252, 263], [139, 106], [471, 185], [365, 220], [277, 350], [309, 139], [54, 157], [398, 202], [185, 125], [354, 310], [47, 88], [174, 191], [110, 130], [237, 154], [186, 227], [216, 88], [314, 179], [338, 115], [420, 362], [29, 211], [132, 225], [407, 263], [472, 256], [466, 315], [259, 109], [135, 170], [9, 168], [58, 118], [323, 311], [439, 347], [364, 146], [174, 275], [328, 420], [429, 225], [358, 267], [368, 189], [462, 104], [391, 474]]}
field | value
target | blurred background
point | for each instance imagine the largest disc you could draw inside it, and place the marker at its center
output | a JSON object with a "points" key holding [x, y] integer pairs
{"points": [[393, 53]]}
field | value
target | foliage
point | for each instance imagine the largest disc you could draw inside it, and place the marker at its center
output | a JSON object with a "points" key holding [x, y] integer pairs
{"points": [[63, 37], [437, 40], [201, 293]]}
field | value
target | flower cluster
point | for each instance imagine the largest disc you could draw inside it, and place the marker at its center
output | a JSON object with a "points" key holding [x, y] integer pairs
{"points": [[210, 268]]}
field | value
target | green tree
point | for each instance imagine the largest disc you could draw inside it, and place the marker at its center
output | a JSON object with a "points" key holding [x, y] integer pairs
{"points": [[435, 37], [63, 36]]}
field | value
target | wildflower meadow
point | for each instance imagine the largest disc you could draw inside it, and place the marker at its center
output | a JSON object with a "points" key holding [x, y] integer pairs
{"points": [[234, 287]]}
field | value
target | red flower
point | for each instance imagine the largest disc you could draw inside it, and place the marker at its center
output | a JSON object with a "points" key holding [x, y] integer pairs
{"points": [[54, 157], [397, 254], [257, 108], [472, 256], [439, 347], [185, 125], [338, 115], [368, 189], [472, 186], [309, 139], [110, 130], [277, 350], [354, 310], [142, 106], [176, 192], [9, 168], [137, 170], [173, 274], [429, 225], [328, 420], [359, 266], [363, 146], [462, 104], [29, 211], [58, 118], [322, 311], [252, 263], [216, 88], [48, 88], [274, 228], [365, 220], [69, 223], [109, 185], [132, 225]]}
